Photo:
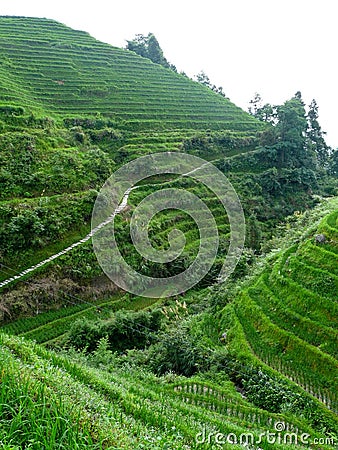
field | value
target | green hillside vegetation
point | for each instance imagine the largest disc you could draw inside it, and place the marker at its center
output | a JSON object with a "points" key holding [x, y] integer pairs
{"points": [[55, 155], [84, 364], [69, 72], [156, 377]]}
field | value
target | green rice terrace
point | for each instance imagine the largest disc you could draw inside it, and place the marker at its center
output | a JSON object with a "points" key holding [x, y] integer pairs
{"points": [[49, 67], [248, 363]]}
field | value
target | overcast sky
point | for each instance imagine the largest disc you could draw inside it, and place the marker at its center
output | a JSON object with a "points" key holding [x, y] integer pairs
{"points": [[274, 47]]}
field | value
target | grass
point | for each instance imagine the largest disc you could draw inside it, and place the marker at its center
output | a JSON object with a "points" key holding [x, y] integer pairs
{"points": [[101, 408], [288, 314], [50, 60], [108, 404]]}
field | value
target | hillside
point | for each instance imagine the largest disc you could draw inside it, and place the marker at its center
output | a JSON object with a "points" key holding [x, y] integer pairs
{"points": [[276, 369], [286, 317], [84, 364], [48, 66], [72, 110]]}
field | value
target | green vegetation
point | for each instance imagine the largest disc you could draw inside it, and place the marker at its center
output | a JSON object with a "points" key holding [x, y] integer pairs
{"points": [[167, 377], [86, 365], [148, 47], [288, 314], [48, 67]]}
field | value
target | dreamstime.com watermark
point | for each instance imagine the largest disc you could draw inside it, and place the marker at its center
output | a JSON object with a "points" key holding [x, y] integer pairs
{"points": [[113, 198], [250, 440]]}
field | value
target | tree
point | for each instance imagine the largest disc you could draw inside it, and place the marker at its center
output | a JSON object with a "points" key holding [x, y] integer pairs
{"points": [[291, 131], [203, 78], [253, 233], [296, 135], [255, 104], [139, 45], [333, 163], [149, 47], [265, 113], [298, 96], [155, 52], [315, 136]]}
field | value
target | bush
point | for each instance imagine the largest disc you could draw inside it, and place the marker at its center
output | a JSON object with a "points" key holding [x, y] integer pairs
{"points": [[131, 330], [176, 352], [12, 110], [85, 334], [127, 330], [270, 394]]}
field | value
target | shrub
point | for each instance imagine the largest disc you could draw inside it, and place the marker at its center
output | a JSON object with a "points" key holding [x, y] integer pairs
{"points": [[127, 330], [176, 352], [85, 334]]}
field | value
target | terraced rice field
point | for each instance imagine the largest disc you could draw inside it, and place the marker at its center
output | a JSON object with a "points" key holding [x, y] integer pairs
{"points": [[72, 109], [50, 66], [289, 315], [127, 408]]}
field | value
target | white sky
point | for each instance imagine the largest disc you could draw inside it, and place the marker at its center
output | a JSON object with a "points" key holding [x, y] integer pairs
{"points": [[274, 47]]}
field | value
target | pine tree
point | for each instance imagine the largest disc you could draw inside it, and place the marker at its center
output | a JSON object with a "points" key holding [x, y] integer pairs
{"points": [[155, 52], [315, 136]]}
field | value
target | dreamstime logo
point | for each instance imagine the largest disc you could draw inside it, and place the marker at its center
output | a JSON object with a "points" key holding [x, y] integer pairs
{"points": [[113, 198], [250, 440]]}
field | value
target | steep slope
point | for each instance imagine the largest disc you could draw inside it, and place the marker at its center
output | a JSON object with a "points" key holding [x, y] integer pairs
{"points": [[123, 408], [72, 110], [279, 353], [286, 318], [65, 71]]}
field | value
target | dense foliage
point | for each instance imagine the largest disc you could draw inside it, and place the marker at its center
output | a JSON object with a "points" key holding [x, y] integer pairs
{"points": [[85, 365]]}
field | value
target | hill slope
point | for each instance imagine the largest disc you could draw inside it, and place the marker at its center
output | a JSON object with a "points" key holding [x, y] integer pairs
{"points": [[279, 352], [286, 318], [74, 109], [154, 375], [48, 65]]}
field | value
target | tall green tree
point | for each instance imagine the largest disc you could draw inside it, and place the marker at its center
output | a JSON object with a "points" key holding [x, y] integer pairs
{"points": [[315, 136], [155, 52], [290, 132], [203, 78], [139, 45], [264, 112]]}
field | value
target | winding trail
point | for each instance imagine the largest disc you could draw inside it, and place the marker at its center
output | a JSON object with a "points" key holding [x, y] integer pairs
{"points": [[118, 210]]}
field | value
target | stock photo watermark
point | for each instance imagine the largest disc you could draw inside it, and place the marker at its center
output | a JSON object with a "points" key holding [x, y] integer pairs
{"points": [[280, 436], [113, 198]]}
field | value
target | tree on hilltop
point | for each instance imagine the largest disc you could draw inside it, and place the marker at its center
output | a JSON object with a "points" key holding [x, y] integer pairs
{"points": [[149, 47], [203, 78], [296, 134], [291, 130], [264, 112]]}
